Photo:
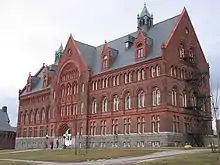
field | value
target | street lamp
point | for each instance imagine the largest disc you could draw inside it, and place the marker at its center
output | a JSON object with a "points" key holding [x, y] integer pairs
{"points": [[64, 145], [46, 142]]}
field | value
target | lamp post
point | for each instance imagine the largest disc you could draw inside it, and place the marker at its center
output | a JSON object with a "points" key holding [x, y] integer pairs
{"points": [[46, 142], [64, 145]]}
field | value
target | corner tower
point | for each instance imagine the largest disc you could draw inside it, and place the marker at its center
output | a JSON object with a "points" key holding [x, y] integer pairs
{"points": [[145, 19]]}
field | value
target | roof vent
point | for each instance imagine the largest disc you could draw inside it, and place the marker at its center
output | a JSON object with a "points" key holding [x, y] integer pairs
{"points": [[4, 108]]}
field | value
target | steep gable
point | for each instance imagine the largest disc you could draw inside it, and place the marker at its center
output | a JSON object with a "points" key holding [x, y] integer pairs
{"points": [[184, 35], [157, 35], [4, 121]]}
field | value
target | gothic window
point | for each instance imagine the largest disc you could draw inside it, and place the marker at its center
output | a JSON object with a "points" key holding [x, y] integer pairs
{"points": [[155, 123], [152, 70], [104, 104], [138, 75], [193, 100], [94, 107], [156, 97], [105, 62], [62, 91], [83, 88], [32, 116], [117, 79], [141, 99], [157, 70], [182, 50], [171, 71], [106, 82], [140, 50], [184, 99], [113, 81], [37, 116], [129, 77], [127, 101], [142, 74], [115, 103], [82, 108], [125, 78], [43, 115], [174, 97]]}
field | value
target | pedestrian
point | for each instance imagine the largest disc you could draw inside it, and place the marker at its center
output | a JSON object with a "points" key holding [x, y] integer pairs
{"points": [[57, 143], [51, 144]]}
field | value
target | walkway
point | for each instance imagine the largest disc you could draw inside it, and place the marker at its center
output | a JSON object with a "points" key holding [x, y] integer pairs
{"points": [[121, 161]]}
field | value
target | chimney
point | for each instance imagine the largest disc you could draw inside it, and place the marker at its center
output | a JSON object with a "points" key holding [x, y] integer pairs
{"points": [[4, 108]]}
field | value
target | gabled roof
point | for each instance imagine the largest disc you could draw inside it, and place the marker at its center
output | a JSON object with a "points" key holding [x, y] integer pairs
{"points": [[38, 80], [5, 122], [157, 35]]}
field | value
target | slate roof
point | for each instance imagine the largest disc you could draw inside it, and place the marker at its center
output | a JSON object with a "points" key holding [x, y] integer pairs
{"points": [[5, 122], [157, 35]]}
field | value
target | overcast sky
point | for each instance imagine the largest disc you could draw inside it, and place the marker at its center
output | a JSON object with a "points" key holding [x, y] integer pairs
{"points": [[31, 31]]}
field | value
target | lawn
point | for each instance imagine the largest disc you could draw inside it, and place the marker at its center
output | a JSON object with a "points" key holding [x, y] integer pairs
{"points": [[69, 156], [189, 159], [12, 163]]}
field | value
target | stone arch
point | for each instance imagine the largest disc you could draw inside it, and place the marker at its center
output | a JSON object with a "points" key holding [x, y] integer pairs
{"points": [[62, 129], [69, 65]]}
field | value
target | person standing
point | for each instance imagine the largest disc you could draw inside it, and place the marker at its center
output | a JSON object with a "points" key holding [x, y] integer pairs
{"points": [[51, 144], [57, 143]]}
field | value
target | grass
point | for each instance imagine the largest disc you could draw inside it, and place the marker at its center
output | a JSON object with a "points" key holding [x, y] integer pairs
{"points": [[12, 163], [69, 156], [189, 159]]}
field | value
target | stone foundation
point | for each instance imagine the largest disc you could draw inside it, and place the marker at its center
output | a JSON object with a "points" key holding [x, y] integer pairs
{"points": [[108, 141]]}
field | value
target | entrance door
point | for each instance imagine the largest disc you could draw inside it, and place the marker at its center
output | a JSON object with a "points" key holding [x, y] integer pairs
{"points": [[68, 138]]}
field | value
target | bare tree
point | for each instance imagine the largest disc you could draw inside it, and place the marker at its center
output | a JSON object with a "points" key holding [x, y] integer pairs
{"points": [[215, 114]]}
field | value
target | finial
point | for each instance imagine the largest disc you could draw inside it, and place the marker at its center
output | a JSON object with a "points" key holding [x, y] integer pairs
{"points": [[29, 73], [43, 64], [138, 15], [105, 42], [145, 4]]}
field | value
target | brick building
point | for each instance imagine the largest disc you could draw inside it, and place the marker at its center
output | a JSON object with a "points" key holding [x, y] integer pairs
{"points": [[7, 133], [148, 88]]}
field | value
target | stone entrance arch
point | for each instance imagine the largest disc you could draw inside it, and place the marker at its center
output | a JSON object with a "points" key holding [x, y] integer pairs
{"points": [[65, 135]]}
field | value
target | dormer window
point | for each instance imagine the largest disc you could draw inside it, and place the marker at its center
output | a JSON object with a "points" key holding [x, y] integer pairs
{"points": [[105, 62], [127, 45], [140, 53], [69, 51]]}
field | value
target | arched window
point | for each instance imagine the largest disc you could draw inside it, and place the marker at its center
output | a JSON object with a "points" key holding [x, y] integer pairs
{"points": [[113, 81], [37, 115], [115, 103], [138, 75], [26, 118], [62, 91], [94, 107], [127, 101], [172, 70], [83, 88], [182, 50], [129, 77], [126, 78], [141, 99], [81, 108], [193, 99], [106, 82], [75, 88], [152, 70], [157, 70], [105, 62], [142, 74], [104, 104], [184, 99], [117, 79], [32, 116], [43, 115], [174, 97], [156, 97]]}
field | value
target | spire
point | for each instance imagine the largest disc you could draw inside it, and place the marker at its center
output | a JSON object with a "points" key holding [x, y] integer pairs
{"points": [[61, 48], [145, 19], [58, 53], [145, 12]]}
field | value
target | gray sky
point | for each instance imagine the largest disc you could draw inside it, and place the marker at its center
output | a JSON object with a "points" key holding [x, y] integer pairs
{"points": [[31, 31]]}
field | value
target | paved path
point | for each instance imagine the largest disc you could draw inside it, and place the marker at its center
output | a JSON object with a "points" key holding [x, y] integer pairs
{"points": [[120, 161]]}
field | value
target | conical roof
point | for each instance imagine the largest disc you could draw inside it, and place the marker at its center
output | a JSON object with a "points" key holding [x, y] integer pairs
{"points": [[145, 12]]}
